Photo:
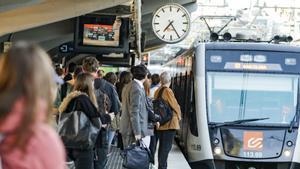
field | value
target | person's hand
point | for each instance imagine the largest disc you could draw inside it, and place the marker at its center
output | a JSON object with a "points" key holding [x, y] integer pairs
{"points": [[112, 116], [137, 137], [157, 125]]}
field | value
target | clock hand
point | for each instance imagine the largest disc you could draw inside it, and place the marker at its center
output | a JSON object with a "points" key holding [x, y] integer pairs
{"points": [[168, 26], [175, 30]]}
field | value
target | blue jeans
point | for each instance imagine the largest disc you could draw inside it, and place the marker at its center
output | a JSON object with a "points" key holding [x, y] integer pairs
{"points": [[101, 151], [110, 136], [165, 138]]}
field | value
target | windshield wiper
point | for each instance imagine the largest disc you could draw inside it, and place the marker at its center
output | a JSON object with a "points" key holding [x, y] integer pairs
{"points": [[293, 121], [295, 118], [238, 122]]}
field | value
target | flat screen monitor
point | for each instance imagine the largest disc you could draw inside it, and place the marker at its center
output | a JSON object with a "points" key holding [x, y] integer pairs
{"points": [[101, 34]]}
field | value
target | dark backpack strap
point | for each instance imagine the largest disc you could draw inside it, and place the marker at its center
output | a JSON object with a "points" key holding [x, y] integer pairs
{"points": [[63, 90]]}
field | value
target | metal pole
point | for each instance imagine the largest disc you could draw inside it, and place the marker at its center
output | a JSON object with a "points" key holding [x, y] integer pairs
{"points": [[138, 21]]}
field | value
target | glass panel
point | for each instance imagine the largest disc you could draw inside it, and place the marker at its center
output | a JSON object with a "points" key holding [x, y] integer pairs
{"points": [[236, 96]]}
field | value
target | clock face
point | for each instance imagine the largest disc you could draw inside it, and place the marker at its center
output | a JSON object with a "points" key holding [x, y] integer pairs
{"points": [[171, 23]]}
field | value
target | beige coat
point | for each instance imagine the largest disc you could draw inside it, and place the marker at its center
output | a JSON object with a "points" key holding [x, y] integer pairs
{"points": [[169, 97]]}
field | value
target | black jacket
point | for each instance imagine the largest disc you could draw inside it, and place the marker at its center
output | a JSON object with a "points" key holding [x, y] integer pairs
{"points": [[81, 102]]}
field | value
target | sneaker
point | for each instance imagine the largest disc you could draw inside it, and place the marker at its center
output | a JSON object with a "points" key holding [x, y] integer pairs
{"points": [[152, 166], [109, 154]]}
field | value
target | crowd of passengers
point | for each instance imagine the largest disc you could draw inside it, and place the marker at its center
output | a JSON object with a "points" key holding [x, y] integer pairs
{"points": [[29, 85]]}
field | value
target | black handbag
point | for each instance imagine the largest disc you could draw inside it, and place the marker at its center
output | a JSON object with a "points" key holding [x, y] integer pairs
{"points": [[152, 117], [136, 156], [77, 130]]}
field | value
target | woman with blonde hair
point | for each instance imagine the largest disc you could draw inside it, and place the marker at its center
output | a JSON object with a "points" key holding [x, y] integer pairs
{"points": [[83, 99], [27, 91]]}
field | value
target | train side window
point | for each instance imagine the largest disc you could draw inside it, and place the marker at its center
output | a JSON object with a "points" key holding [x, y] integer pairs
{"points": [[192, 110]]}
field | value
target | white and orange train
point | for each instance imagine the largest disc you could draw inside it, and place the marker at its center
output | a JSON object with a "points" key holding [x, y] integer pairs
{"points": [[240, 105]]}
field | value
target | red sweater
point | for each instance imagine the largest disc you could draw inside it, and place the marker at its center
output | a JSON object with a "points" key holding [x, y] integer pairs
{"points": [[44, 150]]}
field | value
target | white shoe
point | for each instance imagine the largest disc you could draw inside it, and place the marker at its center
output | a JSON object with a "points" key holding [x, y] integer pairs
{"points": [[152, 166]]}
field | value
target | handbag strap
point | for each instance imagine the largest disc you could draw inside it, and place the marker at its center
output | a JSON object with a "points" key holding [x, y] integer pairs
{"points": [[142, 144], [161, 92], [74, 104]]}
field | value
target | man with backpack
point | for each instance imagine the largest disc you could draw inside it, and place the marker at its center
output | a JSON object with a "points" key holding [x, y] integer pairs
{"points": [[108, 105], [166, 105]]}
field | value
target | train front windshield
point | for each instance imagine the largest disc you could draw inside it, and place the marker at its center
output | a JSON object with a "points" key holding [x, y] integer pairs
{"points": [[235, 96]]}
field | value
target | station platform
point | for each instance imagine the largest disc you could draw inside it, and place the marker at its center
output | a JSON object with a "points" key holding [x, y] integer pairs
{"points": [[176, 159]]}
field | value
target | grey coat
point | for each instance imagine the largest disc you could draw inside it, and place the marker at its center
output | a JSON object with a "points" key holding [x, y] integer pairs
{"points": [[134, 119]]}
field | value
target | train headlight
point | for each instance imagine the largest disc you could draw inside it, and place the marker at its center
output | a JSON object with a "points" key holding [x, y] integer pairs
{"points": [[289, 143], [217, 150], [287, 153], [216, 141], [251, 168]]}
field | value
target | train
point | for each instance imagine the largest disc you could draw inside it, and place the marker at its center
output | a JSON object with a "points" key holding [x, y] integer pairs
{"points": [[240, 105]]}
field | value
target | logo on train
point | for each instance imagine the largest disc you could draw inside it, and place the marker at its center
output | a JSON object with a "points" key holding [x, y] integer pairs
{"points": [[253, 141]]}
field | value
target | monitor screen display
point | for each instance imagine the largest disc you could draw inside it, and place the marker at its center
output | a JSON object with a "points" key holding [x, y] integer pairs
{"points": [[102, 35]]}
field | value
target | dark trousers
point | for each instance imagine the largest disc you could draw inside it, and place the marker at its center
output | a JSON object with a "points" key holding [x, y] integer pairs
{"points": [[120, 141], [165, 138], [83, 159], [101, 150], [153, 145]]}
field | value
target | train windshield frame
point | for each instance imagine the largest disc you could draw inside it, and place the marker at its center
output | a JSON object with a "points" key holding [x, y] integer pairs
{"points": [[244, 95]]}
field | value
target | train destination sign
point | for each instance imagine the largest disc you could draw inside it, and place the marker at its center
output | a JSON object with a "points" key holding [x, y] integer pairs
{"points": [[253, 66]]}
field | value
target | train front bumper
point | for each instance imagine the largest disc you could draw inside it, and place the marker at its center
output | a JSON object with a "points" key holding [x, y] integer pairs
{"points": [[221, 164]]}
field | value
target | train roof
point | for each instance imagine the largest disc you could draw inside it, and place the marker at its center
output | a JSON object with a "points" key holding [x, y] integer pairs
{"points": [[252, 46]]}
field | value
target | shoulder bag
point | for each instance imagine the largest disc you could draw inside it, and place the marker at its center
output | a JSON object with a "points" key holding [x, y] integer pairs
{"points": [[162, 108], [77, 130], [136, 156]]}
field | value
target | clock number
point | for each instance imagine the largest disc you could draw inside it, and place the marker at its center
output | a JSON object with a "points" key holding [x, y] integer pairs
{"points": [[156, 23], [183, 15], [170, 37], [163, 10], [163, 36], [178, 9], [170, 8], [157, 16], [184, 23], [183, 30]]}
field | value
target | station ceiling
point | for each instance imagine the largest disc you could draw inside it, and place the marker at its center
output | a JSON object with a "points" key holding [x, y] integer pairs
{"points": [[51, 22]]}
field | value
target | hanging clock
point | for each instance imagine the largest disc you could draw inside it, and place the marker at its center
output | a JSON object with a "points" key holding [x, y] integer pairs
{"points": [[171, 23]]}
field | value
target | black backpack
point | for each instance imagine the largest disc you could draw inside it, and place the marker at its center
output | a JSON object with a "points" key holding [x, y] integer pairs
{"points": [[103, 100], [162, 108]]}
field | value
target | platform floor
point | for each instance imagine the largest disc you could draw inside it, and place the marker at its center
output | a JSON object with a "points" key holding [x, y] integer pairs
{"points": [[176, 159]]}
